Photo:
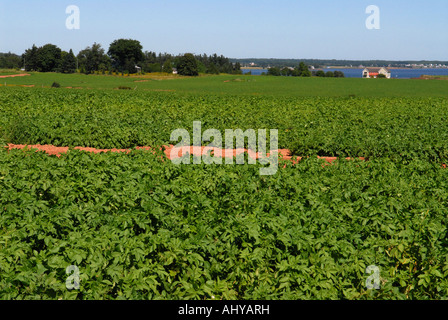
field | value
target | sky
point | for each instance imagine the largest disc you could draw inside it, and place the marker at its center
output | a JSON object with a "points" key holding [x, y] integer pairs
{"points": [[296, 29]]}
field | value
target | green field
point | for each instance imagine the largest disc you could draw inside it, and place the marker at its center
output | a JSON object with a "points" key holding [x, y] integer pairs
{"points": [[140, 227], [8, 72], [394, 127], [246, 85]]}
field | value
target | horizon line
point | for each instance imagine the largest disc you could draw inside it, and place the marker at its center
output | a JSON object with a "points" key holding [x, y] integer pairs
{"points": [[394, 60]]}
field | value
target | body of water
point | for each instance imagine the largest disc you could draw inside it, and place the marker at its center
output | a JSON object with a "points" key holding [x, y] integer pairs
{"points": [[255, 72], [357, 73]]}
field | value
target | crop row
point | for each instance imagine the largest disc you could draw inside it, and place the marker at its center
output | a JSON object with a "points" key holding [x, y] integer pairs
{"points": [[138, 227], [397, 128]]}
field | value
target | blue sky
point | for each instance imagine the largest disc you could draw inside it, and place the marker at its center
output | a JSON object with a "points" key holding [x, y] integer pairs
{"points": [[322, 29]]}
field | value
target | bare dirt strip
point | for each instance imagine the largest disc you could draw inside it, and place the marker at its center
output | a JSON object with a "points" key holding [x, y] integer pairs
{"points": [[15, 75], [170, 151], [173, 152]]}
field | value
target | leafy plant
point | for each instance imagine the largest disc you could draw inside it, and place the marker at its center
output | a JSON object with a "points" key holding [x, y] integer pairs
{"points": [[398, 128], [139, 227]]}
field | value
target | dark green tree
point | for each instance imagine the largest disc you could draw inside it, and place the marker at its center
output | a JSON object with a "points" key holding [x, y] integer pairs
{"points": [[129, 66], [295, 72], [212, 69], [10, 61], [201, 66], [303, 70], [285, 72], [329, 74], [167, 67], [187, 65], [274, 71], [237, 68], [93, 59], [320, 73], [125, 54], [49, 58], [339, 74], [30, 58], [69, 62], [153, 67]]}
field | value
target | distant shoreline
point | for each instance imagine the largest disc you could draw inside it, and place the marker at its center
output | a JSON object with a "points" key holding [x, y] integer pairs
{"points": [[253, 68], [345, 67], [392, 68]]}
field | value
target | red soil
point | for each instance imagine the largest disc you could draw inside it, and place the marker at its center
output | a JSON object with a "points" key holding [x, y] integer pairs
{"points": [[170, 151], [15, 75]]}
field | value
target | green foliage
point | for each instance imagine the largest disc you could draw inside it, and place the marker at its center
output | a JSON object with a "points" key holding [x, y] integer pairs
{"points": [[125, 54], [47, 58], [93, 59], [212, 64], [167, 67], [10, 61], [69, 63], [398, 128], [187, 65], [274, 71], [300, 71], [285, 72], [139, 227], [154, 67], [303, 70]]}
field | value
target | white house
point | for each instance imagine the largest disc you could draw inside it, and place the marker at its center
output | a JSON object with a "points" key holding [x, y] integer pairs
{"points": [[374, 72]]}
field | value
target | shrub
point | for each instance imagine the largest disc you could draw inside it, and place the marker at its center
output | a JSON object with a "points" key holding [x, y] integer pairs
{"points": [[187, 65]]}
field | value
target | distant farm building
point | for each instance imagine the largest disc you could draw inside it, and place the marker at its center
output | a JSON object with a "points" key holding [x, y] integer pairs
{"points": [[375, 72]]}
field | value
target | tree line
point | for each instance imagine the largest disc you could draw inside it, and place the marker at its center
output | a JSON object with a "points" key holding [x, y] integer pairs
{"points": [[124, 56], [302, 70], [10, 61], [329, 74]]}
